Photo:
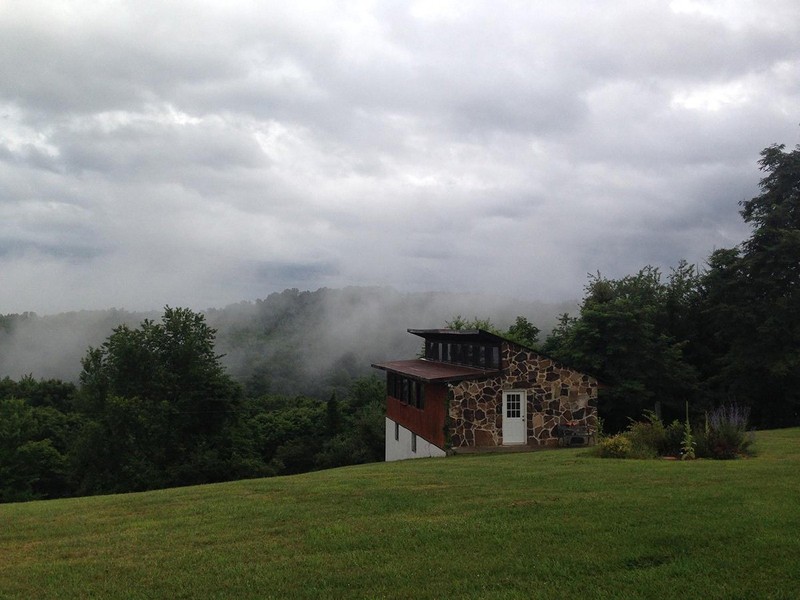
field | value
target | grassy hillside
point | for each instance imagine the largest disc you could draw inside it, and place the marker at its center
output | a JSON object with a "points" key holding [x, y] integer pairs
{"points": [[554, 524]]}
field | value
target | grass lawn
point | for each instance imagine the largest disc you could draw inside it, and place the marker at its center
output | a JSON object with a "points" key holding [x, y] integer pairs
{"points": [[555, 524]]}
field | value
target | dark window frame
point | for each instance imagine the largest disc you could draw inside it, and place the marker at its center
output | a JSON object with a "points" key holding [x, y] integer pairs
{"points": [[482, 356], [406, 390]]}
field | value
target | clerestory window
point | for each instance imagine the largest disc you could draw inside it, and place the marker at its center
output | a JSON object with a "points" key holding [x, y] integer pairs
{"points": [[484, 356]]}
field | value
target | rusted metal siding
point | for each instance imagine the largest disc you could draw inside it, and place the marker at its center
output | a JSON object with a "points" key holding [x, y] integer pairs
{"points": [[428, 422]]}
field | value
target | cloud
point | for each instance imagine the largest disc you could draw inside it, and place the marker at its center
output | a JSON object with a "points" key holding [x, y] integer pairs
{"points": [[203, 153]]}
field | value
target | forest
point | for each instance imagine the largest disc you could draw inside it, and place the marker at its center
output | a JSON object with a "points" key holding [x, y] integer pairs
{"points": [[264, 388]]}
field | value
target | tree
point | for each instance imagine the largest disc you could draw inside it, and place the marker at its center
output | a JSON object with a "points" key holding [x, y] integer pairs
{"points": [[622, 337], [753, 295], [160, 403], [30, 465], [557, 343], [460, 323], [361, 435], [172, 361], [523, 332], [730, 333]]}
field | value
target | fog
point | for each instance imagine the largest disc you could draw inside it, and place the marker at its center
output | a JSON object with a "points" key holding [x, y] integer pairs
{"points": [[310, 332], [52, 346]]}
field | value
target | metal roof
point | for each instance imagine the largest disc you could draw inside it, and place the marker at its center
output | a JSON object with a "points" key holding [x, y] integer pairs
{"points": [[460, 335], [434, 372]]}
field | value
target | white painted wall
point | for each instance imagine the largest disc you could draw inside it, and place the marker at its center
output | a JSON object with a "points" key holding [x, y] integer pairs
{"points": [[400, 449]]}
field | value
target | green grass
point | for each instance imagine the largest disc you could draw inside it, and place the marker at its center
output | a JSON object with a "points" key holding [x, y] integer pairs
{"points": [[556, 524]]}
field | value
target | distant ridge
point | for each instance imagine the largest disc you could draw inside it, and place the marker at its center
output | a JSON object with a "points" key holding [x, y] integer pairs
{"points": [[292, 337]]}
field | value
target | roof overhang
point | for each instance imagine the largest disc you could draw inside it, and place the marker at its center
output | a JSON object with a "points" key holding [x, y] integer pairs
{"points": [[434, 372], [475, 336]]}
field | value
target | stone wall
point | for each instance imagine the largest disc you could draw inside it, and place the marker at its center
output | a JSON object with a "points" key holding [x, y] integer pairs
{"points": [[555, 395]]}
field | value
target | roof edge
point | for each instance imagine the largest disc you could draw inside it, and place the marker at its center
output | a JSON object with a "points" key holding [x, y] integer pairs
{"points": [[457, 333], [406, 368]]}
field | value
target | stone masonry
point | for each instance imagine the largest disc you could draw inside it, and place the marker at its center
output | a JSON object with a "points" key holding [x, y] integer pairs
{"points": [[555, 395]]}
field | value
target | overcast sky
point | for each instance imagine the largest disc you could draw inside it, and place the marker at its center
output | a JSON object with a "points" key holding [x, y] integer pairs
{"points": [[200, 153]]}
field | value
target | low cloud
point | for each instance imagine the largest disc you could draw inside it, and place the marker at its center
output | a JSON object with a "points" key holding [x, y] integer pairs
{"points": [[149, 158]]}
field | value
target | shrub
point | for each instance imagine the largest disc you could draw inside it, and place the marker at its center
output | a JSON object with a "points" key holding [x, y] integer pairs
{"points": [[648, 438], [616, 446], [701, 447], [726, 435], [673, 438]]}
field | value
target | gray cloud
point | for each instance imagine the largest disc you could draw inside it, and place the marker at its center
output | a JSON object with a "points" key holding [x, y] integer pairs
{"points": [[200, 154]]}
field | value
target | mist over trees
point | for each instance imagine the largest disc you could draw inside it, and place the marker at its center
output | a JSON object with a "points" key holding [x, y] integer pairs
{"points": [[290, 342], [282, 385], [277, 386], [156, 408]]}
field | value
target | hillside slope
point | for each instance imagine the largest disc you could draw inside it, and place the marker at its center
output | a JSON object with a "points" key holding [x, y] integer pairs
{"points": [[546, 524]]}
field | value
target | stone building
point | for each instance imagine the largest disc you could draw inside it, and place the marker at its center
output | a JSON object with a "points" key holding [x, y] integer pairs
{"points": [[475, 390]]}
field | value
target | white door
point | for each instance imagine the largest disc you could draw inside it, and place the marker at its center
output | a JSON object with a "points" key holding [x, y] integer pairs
{"points": [[514, 421]]}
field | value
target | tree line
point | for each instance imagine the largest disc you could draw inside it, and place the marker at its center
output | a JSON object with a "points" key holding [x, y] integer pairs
{"points": [[725, 334]]}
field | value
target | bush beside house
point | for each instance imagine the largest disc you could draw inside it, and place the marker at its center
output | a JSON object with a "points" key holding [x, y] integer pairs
{"points": [[723, 435]]}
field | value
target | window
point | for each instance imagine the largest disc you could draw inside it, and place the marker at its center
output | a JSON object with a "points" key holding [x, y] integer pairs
{"points": [[513, 406], [396, 432], [414, 442], [408, 391], [485, 356]]}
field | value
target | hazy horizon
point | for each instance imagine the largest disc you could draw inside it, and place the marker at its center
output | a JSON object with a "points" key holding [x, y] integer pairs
{"points": [[367, 324]]}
